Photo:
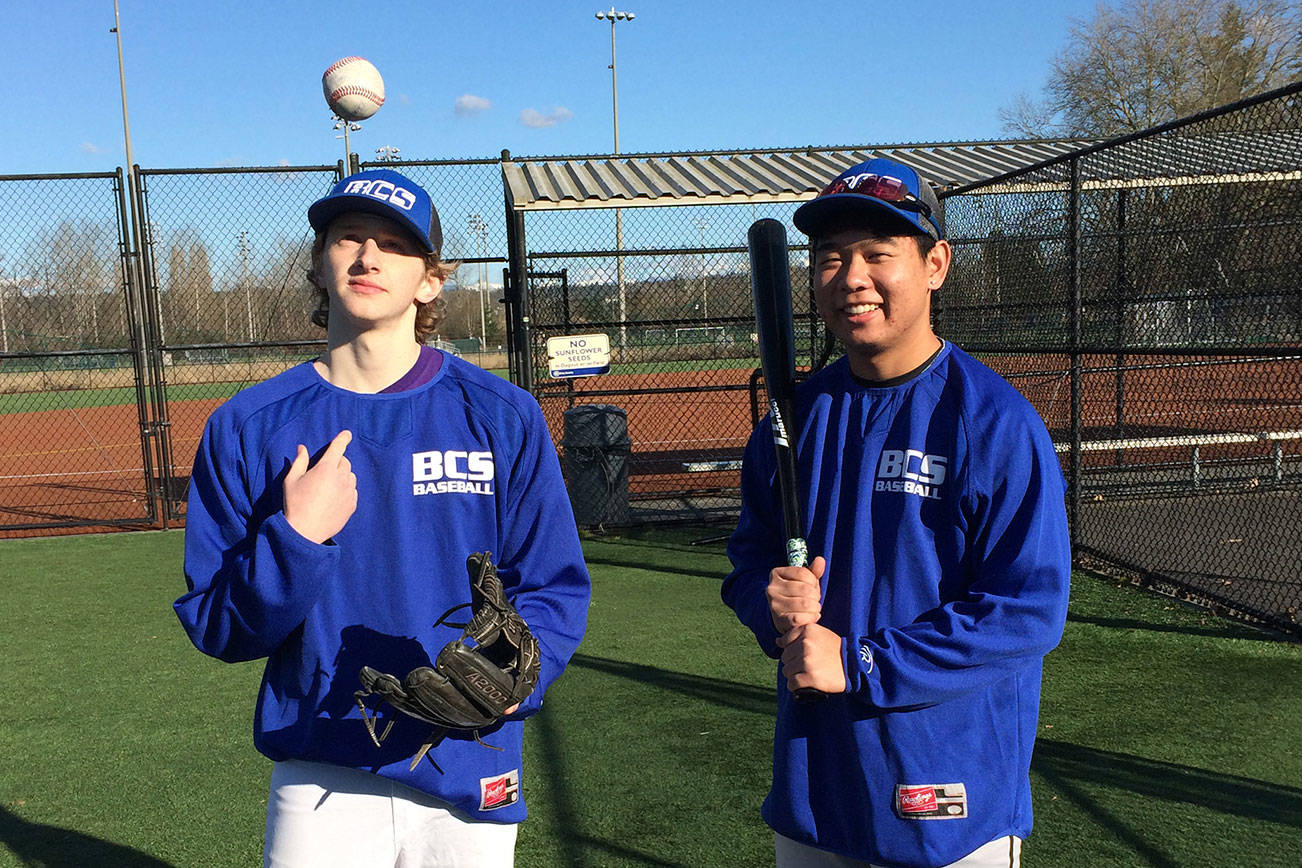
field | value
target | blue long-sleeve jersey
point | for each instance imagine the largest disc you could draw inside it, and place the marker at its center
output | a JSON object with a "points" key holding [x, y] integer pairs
{"points": [[460, 464], [939, 506]]}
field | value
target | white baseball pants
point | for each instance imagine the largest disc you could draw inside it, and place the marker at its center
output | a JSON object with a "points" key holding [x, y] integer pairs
{"points": [[324, 815], [1000, 853]]}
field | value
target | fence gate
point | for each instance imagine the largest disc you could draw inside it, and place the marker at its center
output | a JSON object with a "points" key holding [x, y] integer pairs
{"points": [[76, 435], [681, 373]]}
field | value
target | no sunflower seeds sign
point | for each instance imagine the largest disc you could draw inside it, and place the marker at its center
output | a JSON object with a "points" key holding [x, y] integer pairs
{"points": [[578, 355]]}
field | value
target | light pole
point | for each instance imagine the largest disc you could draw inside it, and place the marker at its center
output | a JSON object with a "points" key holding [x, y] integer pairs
{"points": [[388, 153], [347, 126], [135, 268], [479, 229], [701, 223], [244, 278], [4, 327], [613, 15]]}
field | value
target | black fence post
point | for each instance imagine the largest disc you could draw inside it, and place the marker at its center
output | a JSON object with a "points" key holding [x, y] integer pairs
{"points": [[1074, 321], [168, 486], [138, 337], [1119, 289], [517, 296]]}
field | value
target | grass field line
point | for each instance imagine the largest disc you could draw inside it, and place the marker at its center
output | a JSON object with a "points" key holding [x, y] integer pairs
{"points": [[77, 474], [75, 449], [705, 443]]}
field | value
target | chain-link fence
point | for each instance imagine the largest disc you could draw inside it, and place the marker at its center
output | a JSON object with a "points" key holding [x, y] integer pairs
{"points": [[1146, 295], [106, 379], [72, 402], [670, 289]]}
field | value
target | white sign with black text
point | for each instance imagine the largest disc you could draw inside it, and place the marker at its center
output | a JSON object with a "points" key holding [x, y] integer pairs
{"points": [[578, 355]]}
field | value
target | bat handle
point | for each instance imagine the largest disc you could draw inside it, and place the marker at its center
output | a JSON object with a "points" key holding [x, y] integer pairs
{"points": [[797, 552], [798, 556]]}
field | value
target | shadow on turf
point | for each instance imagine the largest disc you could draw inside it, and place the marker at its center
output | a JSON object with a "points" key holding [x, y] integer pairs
{"points": [[1065, 765], [39, 844], [1215, 628], [692, 568], [733, 694], [577, 849]]}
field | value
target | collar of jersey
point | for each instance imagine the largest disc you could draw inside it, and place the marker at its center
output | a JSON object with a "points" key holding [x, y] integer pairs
{"points": [[902, 378]]}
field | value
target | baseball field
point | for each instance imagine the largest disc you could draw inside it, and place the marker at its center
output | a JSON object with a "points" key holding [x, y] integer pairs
{"points": [[1167, 737]]}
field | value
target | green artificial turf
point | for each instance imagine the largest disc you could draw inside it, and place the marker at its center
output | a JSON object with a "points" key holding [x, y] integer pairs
{"points": [[1168, 737], [80, 399], [124, 745]]}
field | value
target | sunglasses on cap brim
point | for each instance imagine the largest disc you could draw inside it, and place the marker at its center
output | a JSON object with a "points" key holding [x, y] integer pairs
{"points": [[883, 187]]}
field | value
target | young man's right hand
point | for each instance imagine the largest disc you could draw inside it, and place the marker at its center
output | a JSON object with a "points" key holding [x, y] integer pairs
{"points": [[795, 596], [321, 498]]}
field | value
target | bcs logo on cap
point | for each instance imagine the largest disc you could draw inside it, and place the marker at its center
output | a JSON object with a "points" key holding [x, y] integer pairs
{"points": [[384, 191], [388, 194]]}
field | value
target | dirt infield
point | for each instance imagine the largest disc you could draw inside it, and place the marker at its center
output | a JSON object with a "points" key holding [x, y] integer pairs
{"points": [[1158, 395], [81, 468], [666, 408], [681, 425], [60, 466], [687, 428], [85, 466]]}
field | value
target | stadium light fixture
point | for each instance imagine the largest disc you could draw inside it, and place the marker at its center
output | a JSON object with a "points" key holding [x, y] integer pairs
{"points": [[614, 15]]}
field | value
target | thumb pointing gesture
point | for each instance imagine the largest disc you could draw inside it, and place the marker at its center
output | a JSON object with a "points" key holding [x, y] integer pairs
{"points": [[298, 467], [321, 498]]}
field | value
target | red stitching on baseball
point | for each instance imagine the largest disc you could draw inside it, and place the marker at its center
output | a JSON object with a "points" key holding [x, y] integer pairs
{"points": [[355, 90], [340, 62]]}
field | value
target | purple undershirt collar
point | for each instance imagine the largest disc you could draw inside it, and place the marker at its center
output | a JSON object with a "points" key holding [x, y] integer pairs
{"points": [[427, 365]]}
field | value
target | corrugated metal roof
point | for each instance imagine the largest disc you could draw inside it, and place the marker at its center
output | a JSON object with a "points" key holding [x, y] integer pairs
{"points": [[760, 177], [793, 176]]}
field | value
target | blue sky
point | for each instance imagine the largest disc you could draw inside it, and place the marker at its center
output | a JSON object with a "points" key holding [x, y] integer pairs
{"points": [[239, 83]]}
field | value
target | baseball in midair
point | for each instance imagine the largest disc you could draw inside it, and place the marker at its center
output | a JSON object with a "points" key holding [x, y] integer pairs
{"points": [[353, 88]]}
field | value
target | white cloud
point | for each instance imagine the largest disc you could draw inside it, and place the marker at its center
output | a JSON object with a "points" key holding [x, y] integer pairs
{"points": [[536, 119], [91, 148], [468, 104]]}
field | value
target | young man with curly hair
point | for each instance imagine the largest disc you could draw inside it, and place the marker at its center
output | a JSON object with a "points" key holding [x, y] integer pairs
{"points": [[331, 512]]}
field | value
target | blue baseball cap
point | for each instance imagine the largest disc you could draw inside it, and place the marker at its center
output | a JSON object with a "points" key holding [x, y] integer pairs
{"points": [[872, 190], [388, 194]]}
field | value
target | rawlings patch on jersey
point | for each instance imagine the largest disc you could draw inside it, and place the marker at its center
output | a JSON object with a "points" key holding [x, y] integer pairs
{"points": [[499, 792], [931, 801]]}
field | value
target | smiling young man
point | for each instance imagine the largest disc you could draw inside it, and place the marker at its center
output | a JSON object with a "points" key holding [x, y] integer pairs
{"points": [[935, 511], [331, 512]]}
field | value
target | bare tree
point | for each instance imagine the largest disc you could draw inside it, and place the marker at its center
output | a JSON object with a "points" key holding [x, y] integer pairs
{"points": [[1140, 63], [177, 281], [72, 301]]}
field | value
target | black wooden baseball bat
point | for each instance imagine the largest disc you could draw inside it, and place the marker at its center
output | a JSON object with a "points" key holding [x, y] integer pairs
{"points": [[770, 281]]}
